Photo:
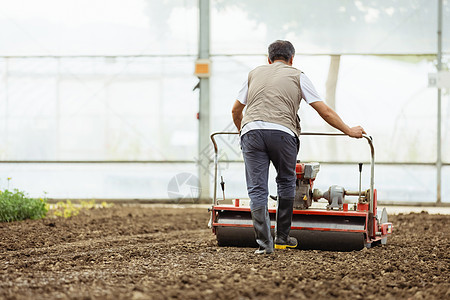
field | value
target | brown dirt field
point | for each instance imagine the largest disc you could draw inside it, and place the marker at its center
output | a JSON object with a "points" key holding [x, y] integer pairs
{"points": [[153, 253]]}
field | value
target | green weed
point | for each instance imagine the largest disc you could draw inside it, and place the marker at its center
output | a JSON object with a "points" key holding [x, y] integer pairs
{"points": [[15, 206]]}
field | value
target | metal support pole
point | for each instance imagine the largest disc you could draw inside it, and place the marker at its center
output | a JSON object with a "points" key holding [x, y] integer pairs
{"points": [[6, 90], [203, 126], [58, 109], [439, 106]]}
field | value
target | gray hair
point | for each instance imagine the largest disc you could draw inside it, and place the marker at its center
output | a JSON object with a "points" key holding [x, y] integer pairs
{"points": [[281, 50]]}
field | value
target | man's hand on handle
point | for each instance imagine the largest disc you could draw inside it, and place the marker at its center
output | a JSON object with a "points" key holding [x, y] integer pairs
{"points": [[356, 132]]}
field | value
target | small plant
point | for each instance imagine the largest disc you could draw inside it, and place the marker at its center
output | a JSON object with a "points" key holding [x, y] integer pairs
{"points": [[15, 206], [87, 204], [106, 205], [66, 209]]}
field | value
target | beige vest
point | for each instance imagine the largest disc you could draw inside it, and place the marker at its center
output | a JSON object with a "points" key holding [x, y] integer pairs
{"points": [[274, 95]]}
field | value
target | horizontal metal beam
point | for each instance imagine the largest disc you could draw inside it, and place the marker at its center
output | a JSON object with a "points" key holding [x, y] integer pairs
{"points": [[98, 56], [333, 54], [161, 55], [97, 162], [194, 162], [387, 163]]}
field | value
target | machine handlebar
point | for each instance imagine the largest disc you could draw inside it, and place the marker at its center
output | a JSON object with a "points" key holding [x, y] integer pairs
{"points": [[365, 136]]}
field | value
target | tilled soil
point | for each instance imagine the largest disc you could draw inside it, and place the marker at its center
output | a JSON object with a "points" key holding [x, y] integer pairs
{"points": [[155, 252]]}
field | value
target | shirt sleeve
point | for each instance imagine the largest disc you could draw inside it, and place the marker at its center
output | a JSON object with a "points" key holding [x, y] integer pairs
{"points": [[309, 92], [242, 95]]}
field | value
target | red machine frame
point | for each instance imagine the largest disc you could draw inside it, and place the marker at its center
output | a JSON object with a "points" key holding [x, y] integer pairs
{"points": [[363, 220]]}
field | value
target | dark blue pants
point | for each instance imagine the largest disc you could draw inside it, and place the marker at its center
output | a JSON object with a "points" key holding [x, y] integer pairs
{"points": [[259, 148]]}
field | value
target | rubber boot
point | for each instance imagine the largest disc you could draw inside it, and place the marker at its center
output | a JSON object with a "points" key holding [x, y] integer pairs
{"points": [[261, 225], [284, 220]]}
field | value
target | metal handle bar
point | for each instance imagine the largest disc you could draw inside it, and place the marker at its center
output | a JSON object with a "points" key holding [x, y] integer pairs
{"points": [[216, 158], [367, 137]]}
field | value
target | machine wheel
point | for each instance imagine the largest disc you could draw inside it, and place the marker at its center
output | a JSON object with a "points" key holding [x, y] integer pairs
{"points": [[384, 219]]}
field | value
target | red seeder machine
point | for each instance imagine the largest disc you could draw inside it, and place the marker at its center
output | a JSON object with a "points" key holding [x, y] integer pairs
{"points": [[339, 226]]}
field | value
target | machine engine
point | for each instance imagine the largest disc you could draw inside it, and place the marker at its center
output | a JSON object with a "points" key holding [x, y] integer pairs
{"points": [[305, 194], [306, 174]]}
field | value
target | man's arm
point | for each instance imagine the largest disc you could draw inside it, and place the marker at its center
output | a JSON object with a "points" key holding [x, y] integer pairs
{"points": [[236, 112], [332, 118]]}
